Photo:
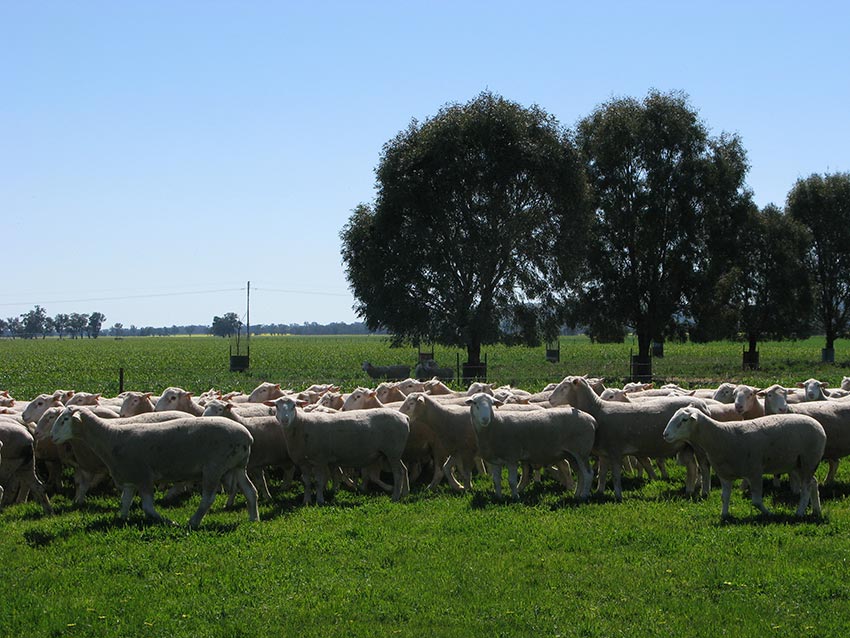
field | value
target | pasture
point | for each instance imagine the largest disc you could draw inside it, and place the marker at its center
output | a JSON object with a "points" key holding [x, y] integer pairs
{"points": [[438, 564]]}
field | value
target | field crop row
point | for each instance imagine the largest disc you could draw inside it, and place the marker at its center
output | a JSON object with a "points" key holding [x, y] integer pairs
{"points": [[199, 363]]}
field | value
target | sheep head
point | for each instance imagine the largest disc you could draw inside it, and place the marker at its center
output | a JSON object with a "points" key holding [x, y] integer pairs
{"points": [[681, 425], [62, 431]]}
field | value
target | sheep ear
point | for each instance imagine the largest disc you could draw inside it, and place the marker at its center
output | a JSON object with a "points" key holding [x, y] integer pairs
{"points": [[271, 404], [301, 403], [824, 384], [761, 393], [469, 401], [800, 384], [498, 403]]}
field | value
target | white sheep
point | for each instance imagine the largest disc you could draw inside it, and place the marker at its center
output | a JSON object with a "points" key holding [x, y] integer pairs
{"points": [[178, 399], [18, 462], [750, 449], [318, 440], [834, 416], [209, 449], [389, 393], [814, 390], [268, 449], [442, 431], [845, 383], [629, 429], [544, 438], [136, 403]]}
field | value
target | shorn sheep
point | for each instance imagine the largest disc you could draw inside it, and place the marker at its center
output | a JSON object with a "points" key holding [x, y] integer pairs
{"points": [[750, 449], [540, 437], [317, 440], [211, 449]]}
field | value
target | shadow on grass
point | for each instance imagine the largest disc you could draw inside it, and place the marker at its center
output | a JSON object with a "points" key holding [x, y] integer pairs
{"points": [[763, 520]]}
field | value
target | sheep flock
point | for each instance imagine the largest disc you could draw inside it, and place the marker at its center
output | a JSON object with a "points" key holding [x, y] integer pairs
{"points": [[413, 432]]}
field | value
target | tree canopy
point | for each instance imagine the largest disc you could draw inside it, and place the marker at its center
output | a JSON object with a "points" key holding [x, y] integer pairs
{"points": [[660, 185], [822, 204], [459, 244]]}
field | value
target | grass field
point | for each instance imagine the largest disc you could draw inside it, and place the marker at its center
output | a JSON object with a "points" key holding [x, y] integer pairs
{"points": [[438, 564]]}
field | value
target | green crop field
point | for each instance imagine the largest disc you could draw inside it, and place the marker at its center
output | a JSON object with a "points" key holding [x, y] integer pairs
{"points": [[435, 564]]}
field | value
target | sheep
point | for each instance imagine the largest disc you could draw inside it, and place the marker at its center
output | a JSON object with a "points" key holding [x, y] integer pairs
{"points": [[268, 449], [393, 373], [725, 393], [331, 400], [436, 387], [814, 390], [445, 431], [834, 416], [389, 392], [316, 440], [408, 385], [542, 438], [479, 386], [35, 408], [178, 399], [18, 462], [83, 398], [429, 369], [749, 449], [265, 392], [845, 383], [6, 400], [628, 429], [136, 403], [212, 449]]}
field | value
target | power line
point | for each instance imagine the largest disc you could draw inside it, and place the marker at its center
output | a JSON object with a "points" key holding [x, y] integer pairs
{"points": [[122, 298], [303, 292]]}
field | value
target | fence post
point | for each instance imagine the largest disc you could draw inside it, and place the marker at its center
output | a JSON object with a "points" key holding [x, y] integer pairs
{"points": [[120, 380]]}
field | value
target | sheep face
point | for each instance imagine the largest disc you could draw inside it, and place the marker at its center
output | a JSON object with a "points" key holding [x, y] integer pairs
{"points": [[481, 407], [45, 423], [477, 386], [681, 425], [265, 392], [217, 407], [845, 383], [171, 399], [357, 399], [285, 410], [725, 393], [84, 398], [331, 400], [611, 394], [62, 431], [32, 413], [63, 395], [745, 397], [775, 399], [136, 403], [410, 385], [813, 389]]}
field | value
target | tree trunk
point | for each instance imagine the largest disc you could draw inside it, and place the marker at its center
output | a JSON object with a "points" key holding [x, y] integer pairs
{"points": [[753, 342], [644, 343], [473, 352], [830, 338]]}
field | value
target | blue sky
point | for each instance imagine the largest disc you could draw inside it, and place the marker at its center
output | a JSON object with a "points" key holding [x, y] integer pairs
{"points": [[155, 156]]}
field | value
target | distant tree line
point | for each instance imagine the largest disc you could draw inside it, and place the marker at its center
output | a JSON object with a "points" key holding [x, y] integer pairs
{"points": [[37, 323]]}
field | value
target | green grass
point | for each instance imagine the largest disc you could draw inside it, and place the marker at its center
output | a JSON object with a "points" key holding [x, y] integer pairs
{"points": [[657, 564]]}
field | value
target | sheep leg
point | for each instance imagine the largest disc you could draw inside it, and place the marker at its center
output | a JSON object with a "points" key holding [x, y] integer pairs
{"points": [[756, 487], [401, 485], [646, 464], [307, 479], [146, 494], [725, 495], [805, 496], [565, 474], [321, 481], [525, 479], [208, 492], [830, 475], [662, 468], [36, 487], [250, 492], [585, 478], [617, 476], [288, 475], [602, 476], [259, 480], [447, 472], [127, 495], [815, 496], [512, 480], [496, 472]]}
